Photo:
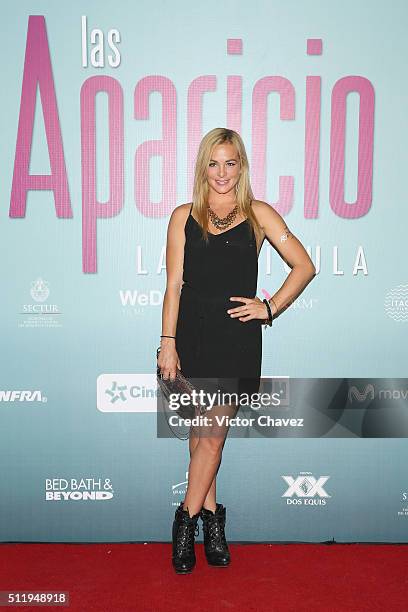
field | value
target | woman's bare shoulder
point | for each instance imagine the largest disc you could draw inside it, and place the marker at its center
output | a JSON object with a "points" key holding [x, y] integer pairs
{"points": [[263, 210], [180, 213], [259, 206], [179, 216]]}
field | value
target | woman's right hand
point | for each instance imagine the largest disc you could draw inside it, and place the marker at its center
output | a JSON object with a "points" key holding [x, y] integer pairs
{"points": [[168, 360]]}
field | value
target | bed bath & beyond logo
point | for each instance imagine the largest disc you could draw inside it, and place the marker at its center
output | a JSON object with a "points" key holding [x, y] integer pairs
{"points": [[78, 489]]}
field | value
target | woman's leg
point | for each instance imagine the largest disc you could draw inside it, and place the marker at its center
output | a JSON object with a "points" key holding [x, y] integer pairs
{"points": [[206, 458], [210, 500]]}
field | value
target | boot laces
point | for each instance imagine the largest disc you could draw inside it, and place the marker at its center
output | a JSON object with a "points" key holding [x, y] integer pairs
{"points": [[216, 532], [185, 537]]}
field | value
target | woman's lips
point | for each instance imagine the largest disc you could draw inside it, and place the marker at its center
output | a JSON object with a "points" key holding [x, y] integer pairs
{"points": [[222, 182]]}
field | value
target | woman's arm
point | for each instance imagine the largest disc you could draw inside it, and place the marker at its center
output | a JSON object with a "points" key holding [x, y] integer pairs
{"points": [[168, 358], [292, 252]]}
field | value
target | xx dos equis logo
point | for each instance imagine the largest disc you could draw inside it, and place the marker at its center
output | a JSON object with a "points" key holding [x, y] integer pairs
{"points": [[306, 490]]}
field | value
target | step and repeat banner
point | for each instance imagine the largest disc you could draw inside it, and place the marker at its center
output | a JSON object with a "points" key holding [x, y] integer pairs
{"points": [[103, 108]]}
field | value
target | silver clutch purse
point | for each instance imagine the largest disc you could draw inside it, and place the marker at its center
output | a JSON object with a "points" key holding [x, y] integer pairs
{"points": [[179, 385]]}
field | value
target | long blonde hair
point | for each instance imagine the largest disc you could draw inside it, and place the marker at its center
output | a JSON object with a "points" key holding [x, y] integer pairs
{"points": [[244, 194]]}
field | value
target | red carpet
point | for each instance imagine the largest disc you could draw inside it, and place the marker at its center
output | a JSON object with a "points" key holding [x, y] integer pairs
{"points": [[261, 577]]}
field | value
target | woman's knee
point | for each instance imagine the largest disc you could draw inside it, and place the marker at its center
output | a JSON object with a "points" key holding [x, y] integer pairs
{"points": [[212, 445]]}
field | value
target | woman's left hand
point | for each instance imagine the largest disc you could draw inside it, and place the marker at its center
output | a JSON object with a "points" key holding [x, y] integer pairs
{"points": [[253, 308]]}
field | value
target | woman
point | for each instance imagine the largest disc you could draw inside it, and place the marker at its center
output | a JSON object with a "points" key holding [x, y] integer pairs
{"points": [[212, 319]]}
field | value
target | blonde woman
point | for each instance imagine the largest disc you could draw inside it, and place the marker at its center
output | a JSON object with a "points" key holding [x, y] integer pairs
{"points": [[212, 318]]}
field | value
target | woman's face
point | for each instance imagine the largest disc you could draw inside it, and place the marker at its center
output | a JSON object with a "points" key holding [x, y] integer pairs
{"points": [[224, 169]]}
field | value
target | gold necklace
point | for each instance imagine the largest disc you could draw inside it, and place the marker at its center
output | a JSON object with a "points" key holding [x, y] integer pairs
{"points": [[223, 223]]}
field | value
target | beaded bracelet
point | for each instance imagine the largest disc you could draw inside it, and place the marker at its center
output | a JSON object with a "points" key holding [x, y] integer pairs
{"points": [[269, 320]]}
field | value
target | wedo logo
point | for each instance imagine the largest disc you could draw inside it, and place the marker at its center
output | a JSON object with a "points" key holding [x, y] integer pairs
{"points": [[22, 396], [129, 297], [126, 393]]}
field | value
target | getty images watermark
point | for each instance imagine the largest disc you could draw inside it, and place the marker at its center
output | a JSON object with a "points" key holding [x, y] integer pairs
{"points": [[212, 404], [217, 409], [211, 400], [286, 407]]}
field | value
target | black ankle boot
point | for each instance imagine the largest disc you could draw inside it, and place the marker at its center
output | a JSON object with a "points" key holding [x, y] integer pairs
{"points": [[184, 530], [215, 544]]}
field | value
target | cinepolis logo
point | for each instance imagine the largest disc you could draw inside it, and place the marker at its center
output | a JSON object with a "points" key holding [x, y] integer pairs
{"points": [[126, 393], [22, 396], [74, 489], [304, 489]]}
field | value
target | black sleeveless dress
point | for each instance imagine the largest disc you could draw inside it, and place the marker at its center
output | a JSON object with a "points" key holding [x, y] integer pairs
{"points": [[209, 343]]}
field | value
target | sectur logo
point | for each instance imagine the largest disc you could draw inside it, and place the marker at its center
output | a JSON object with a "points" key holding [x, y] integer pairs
{"points": [[39, 290]]}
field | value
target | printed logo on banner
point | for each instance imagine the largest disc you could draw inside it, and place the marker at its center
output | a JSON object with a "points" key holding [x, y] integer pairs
{"points": [[126, 393], [370, 392], [22, 396], [306, 490], [404, 509], [137, 300], [396, 303], [40, 313], [179, 491], [301, 303], [78, 489], [360, 396]]}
